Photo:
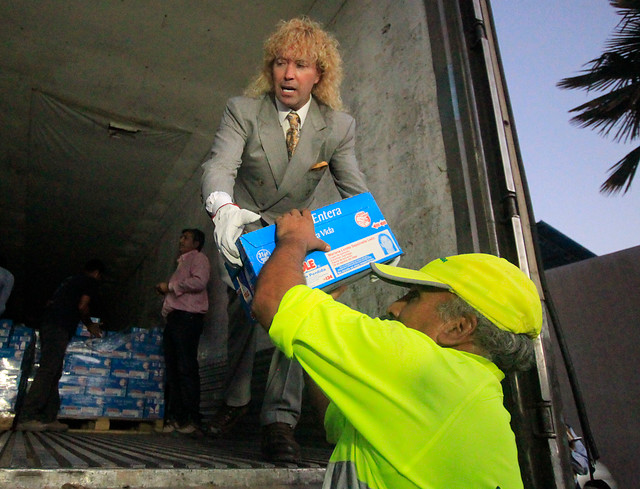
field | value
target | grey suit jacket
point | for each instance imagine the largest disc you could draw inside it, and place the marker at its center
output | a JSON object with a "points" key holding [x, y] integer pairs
{"points": [[248, 159]]}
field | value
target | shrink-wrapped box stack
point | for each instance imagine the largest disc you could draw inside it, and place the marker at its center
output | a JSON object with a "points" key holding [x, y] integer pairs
{"points": [[119, 376], [16, 354]]}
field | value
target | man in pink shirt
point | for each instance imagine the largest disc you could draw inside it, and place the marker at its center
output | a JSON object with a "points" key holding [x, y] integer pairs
{"points": [[185, 303]]}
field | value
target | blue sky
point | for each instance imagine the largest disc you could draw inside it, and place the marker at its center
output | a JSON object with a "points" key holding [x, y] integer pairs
{"points": [[541, 42]]}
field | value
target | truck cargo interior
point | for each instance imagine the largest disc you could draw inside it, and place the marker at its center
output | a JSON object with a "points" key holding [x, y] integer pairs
{"points": [[107, 110]]}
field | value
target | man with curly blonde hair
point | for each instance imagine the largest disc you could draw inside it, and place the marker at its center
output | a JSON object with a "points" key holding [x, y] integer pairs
{"points": [[306, 38], [273, 146]]}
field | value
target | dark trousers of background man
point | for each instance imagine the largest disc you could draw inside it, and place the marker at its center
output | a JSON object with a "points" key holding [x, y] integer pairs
{"points": [[182, 387], [42, 402]]}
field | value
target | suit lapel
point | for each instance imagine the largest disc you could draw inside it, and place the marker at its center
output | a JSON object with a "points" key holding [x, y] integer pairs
{"points": [[272, 139], [312, 137]]}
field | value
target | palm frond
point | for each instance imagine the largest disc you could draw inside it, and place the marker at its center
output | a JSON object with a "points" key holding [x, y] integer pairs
{"points": [[626, 36], [617, 111], [616, 72], [622, 173], [625, 4], [609, 71], [626, 41]]}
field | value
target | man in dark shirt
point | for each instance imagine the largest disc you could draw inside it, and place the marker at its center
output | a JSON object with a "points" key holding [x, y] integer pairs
{"points": [[71, 303]]}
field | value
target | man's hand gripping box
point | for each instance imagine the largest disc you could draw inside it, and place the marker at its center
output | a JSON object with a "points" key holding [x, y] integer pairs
{"points": [[355, 229]]}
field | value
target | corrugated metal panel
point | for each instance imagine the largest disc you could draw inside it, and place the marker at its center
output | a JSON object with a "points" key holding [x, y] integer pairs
{"points": [[101, 459], [135, 458]]}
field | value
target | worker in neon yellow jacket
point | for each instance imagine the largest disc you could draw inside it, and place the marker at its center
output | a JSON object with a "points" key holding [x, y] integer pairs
{"points": [[415, 399]]}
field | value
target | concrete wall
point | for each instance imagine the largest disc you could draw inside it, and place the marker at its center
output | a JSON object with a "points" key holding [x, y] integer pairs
{"points": [[390, 89], [598, 304]]}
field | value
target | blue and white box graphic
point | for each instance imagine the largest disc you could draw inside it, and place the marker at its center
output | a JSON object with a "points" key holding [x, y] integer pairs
{"points": [[355, 229]]}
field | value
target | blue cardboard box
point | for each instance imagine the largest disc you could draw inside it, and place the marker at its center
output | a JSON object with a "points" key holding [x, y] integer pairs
{"points": [[8, 400], [106, 386], [20, 329], [9, 382], [150, 336], [80, 405], [156, 370], [81, 364], [147, 351], [124, 407], [21, 337], [145, 389], [154, 408], [355, 229], [20, 342], [68, 389], [11, 358], [71, 379], [129, 368]]}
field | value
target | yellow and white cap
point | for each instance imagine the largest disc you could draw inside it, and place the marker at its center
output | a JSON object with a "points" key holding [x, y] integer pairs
{"points": [[492, 285]]}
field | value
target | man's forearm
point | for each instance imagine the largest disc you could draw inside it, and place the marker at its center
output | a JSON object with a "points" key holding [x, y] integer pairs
{"points": [[295, 237], [281, 272]]}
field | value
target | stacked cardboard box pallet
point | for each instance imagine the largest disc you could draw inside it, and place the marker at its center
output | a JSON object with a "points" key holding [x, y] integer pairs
{"points": [[120, 376], [16, 354]]}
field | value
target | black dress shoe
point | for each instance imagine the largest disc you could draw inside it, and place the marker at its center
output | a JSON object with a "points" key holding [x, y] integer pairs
{"points": [[225, 418], [278, 443]]}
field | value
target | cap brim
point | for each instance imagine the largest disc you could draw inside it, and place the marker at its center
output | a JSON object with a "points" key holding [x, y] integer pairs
{"points": [[405, 276]]}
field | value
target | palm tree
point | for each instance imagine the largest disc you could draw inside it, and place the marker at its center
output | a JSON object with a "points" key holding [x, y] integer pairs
{"points": [[617, 112]]}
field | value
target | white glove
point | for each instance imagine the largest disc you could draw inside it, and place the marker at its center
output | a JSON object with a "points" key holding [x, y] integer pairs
{"points": [[229, 223]]}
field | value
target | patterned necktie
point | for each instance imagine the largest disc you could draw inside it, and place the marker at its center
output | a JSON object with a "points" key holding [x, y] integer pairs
{"points": [[293, 134]]}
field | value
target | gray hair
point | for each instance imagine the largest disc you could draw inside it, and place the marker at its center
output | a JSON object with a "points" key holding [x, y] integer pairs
{"points": [[509, 351]]}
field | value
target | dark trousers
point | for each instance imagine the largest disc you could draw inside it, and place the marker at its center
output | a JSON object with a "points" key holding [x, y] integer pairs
{"points": [[182, 388], [42, 402]]}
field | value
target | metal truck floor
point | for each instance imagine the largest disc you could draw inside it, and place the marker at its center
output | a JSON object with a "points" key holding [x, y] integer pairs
{"points": [[108, 460], [123, 459]]}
